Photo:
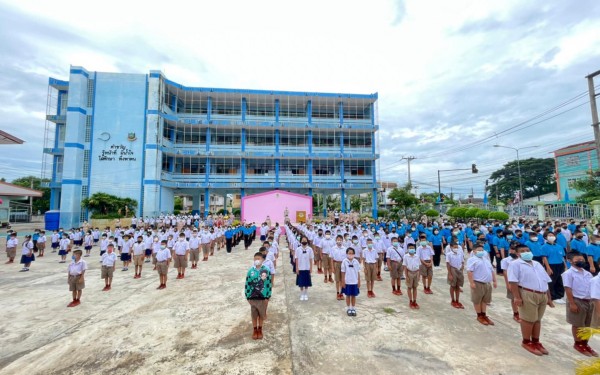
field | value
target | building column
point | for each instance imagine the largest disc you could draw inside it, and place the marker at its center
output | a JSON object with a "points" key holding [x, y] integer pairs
{"points": [[206, 202], [207, 175], [375, 204], [277, 172], [196, 201], [207, 139], [243, 171], [276, 141], [343, 200], [209, 108], [174, 103], [243, 139], [244, 108], [172, 135], [171, 163], [276, 110]]}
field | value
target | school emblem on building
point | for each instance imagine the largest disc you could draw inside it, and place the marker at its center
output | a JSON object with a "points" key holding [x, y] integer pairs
{"points": [[131, 137]]}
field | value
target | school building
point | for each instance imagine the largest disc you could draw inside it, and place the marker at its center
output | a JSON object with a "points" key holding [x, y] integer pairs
{"points": [[148, 138], [573, 163]]}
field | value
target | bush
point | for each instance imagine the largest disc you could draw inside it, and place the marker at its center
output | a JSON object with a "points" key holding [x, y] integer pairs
{"points": [[223, 212], [432, 213], [106, 216], [176, 212], [459, 212], [471, 213], [450, 212], [501, 216], [482, 214], [382, 213], [236, 212]]}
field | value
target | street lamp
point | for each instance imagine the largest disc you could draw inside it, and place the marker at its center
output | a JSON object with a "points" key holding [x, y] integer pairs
{"points": [[519, 171]]}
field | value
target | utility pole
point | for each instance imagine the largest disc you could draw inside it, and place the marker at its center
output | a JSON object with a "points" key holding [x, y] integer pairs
{"points": [[594, 108], [408, 160]]}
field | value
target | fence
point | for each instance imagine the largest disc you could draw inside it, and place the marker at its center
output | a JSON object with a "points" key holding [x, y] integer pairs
{"points": [[552, 211]]}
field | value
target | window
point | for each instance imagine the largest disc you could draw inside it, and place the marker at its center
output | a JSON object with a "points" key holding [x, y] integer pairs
{"points": [[325, 168], [292, 138], [325, 108], [357, 168], [227, 104], [261, 137], [185, 164], [357, 109], [90, 93], [357, 139], [293, 167], [326, 138], [572, 161], [86, 163], [260, 106], [88, 128], [187, 133], [292, 106], [224, 136], [224, 166], [264, 167]]}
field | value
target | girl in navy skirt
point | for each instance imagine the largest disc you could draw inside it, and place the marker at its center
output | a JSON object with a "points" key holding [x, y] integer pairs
{"points": [[27, 253], [304, 257], [350, 281]]}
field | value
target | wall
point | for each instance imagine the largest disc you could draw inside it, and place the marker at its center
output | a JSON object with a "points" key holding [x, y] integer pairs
{"points": [[119, 112], [255, 208], [573, 167]]}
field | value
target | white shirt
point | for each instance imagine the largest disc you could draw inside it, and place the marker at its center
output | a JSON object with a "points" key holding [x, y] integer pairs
{"points": [[481, 268], [395, 254], [580, 282], [456, 260], [194, 242], [304, 255], [412, 262], [109, 259], [163, 255], [327, 244], [595, 287], [181, 247], [506, 262], [27, 247], [77, 268], [338, 253], [351, 270], [138, 248], [425, 252], [370, 255], [530, 275]]}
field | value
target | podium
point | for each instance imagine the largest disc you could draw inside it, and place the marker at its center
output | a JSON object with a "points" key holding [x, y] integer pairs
{"points": [[300, 216]]}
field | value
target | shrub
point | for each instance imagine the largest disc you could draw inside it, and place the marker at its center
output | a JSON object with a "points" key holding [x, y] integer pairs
{"points": [[106, 216], [471, 213], [236, 212], [382, 213], [450, 212], [482, 214], [460, 212], [432, 213], [501, 216]]}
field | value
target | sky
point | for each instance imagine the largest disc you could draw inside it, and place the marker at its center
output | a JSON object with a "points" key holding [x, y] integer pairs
{"points": [[453, 77]]}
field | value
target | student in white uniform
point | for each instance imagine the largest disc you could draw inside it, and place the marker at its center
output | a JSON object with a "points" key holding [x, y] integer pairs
{"points": [[350, 280], [194, 243], [338, 254], [455, 264], [163, 258], [41, 243], [425, 253], [109, 263], [182, 249], [304, 258], [75, 277], [580, 309], [395, 255], [529, 285], [411, 264], [504, 265], [370, 258], [138, 249], [481, 279]]}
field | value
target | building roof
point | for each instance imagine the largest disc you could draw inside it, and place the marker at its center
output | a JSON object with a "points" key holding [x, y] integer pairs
{"points": [[7, 139], [7, 189], [583, 146]]}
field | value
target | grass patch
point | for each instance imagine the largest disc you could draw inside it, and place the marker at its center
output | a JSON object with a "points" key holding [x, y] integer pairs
{"points": [[388, 310]]}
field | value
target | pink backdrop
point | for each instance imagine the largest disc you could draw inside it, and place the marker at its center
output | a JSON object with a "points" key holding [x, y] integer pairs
{"points": [[255, 208]]}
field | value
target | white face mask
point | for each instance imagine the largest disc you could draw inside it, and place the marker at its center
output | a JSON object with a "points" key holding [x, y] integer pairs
{"points": [[257, 262]]}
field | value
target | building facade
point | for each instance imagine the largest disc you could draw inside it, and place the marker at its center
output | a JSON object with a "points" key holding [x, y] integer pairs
{"points": [[145, 137], [573, 163]]}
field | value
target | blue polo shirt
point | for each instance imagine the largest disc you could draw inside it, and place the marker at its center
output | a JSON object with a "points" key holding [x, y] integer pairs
{"points": [[593, 250], [554, 252], [436, 239], [578, 245]]}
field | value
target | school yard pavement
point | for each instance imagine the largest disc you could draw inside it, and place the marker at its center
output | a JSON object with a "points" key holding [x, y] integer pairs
{"points": [[201, 325]]}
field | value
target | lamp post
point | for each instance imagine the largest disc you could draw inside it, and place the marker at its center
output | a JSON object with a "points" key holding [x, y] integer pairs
{"points": [[519, 172], [473, 169]]}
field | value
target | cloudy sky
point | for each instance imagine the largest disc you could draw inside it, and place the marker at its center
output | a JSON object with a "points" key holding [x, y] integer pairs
{"points": [[453, 77]]}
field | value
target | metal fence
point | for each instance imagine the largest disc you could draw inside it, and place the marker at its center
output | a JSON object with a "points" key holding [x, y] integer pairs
{"points": [[551, 210]]}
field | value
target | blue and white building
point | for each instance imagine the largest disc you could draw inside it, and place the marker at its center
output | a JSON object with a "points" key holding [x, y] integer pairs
{"points": [[146, 137]]}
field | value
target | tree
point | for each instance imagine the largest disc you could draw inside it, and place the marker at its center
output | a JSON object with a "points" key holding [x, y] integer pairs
{"points": [[403, 197], [106, 204], [589, 187], [42, 203], [428, 197], [355, 203], [537, 176]]}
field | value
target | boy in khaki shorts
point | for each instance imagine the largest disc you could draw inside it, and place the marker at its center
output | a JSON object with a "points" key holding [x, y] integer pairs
{"points": [[455, 263], [163, 258], [481, 278], [11, 247], [139, 254], [580, 309], [109, 261], [194, 243], [395, 255], [425, 253], [370, 257], [75, 278], [529, 285], [411, 266]]}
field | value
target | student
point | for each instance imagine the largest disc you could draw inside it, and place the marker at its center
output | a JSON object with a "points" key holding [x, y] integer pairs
{"points": [[425, 253], [326, 244], [163, 258], [304, 257], [395, 256], [412, 264], [529, 285], [505, 264], [205, 238], [338, 254], [258, 290], [103, 244], [269, 263], [138, 256], [554, 261], [577, 282], [370, 257], [379, 246], [194, 244], [54, 239], [109, 263], [481, 279], [75, 277], [182, 250], [64, 248], [350, 281], [88, 241], [27, 255], [126, 251], [148, 241], [455, 264], [593, 254], [41, 243]]}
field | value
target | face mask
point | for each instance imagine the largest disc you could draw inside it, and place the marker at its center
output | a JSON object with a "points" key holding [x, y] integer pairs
{"points": [[551, 239], [395, 244], [509, 237], [513, 255], [423, 243], [73, 257], [479, 254], [163, 247], [481, 240], [412, 251], [580, 264], [339, 243], [257, 262], [370, 246], [327, 236], [527, 256], [304, 243], [139, 241], [377, 238], [579, 237], [454, 249], [435, 232], [533, 239], [355, 242]]}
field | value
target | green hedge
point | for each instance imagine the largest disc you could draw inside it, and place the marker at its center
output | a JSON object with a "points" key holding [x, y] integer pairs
{"points": [[432, 213], [106, 216], [501, 216]]}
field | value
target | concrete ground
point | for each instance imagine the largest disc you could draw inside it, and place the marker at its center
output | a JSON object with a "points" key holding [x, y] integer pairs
{"points": [[200, 325]]}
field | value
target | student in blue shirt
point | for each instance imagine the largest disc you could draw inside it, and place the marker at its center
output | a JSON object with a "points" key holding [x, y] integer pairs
{"points": [[592, 254], [554, 261], [229, 232], [535, 247], [437, 241], [500, 249], [560, 238], [577, 243]]}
